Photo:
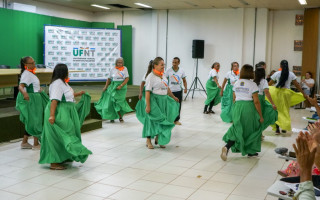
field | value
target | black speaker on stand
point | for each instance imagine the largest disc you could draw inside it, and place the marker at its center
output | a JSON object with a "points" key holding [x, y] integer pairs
{"points": [[197, 52]]}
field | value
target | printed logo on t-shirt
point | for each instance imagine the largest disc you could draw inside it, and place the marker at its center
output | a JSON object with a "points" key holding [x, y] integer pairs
{"points": [[164, 82], [176, 78], [241, 83], [121, 74]]}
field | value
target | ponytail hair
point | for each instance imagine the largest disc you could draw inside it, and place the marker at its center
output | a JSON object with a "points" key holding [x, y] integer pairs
{"points": [[23, 62], [284, 74], [259, 74], [150, 67]]}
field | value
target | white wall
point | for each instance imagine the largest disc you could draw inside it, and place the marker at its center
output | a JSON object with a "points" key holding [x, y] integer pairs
{"points": [[228, 35], [220, 28], [58, 11], [284, 32]]}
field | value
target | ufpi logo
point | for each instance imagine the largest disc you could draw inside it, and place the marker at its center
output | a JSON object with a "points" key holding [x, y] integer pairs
{"points": [[83, 51]]}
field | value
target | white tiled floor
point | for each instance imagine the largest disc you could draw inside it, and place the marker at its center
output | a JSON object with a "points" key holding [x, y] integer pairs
{"points": [[121, 167]]}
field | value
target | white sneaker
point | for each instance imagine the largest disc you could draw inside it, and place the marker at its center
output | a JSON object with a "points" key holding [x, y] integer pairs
{"points": [[224, 153]]}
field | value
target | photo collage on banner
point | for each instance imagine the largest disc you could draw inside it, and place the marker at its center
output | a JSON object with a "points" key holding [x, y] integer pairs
{"points": [[93, 51]]}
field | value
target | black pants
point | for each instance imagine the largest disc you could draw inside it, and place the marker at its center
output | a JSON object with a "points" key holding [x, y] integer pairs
{"points": [[179, 96]]}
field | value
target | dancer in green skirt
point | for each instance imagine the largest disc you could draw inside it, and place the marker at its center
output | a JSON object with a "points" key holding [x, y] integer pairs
{"points": [[31, 102], [162, 107], [141, 105], [227, 95], [61, 136], [112, 104], [269, 111], [213, 89], [283, 97], [245, 133]]}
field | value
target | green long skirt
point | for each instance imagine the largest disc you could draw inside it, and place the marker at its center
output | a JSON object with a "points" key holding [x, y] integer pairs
{"points": [[213, 93], [159, 121], [62, 141], [284, 98], [32, 111], [113, 101], [270, 115], [226, 104], [246, 128], [141, 108]]}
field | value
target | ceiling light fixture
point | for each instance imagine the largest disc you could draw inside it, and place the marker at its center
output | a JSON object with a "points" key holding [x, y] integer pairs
{"points": [[303, 2], [143, 5], [98, 6]]}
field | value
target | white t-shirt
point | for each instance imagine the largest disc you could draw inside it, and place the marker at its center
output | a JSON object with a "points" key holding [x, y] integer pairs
{"points": [[262, 86], [213, 73], [117, 75], [276, 77], [29, 79], [144, 78], [244, 89], [232, 77], [61, 91], [309, 81], [175, 79], [156, 85]]}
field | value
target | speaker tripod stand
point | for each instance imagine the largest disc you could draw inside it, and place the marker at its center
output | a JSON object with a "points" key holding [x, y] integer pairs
{"points": [[194, 85]]}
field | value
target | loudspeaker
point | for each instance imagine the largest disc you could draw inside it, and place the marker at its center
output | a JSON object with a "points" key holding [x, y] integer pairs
{"points": [[198, 49]]}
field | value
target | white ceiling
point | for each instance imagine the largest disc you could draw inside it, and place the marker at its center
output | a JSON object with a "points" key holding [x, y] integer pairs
{"points": [[185, 4]]}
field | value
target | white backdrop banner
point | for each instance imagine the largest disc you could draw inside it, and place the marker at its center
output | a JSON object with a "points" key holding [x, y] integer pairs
{"points": [[91, 50]]}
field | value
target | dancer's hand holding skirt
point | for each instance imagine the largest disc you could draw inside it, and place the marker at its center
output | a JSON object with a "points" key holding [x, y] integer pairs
{"points": [[213, 93], [32, 112], [246, 128], [284, 98], [61, 141], [270, 115], [226, 103], [113, 101], [159, 121]]}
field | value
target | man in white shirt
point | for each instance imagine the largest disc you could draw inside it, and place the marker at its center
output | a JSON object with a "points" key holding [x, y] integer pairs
{"points": [[176, 76]]}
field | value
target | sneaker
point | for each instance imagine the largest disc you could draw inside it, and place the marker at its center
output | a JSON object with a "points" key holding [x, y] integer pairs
{"points": [[26, 146], [37, 147], [284, 131], [224, 153], [177, 123]]}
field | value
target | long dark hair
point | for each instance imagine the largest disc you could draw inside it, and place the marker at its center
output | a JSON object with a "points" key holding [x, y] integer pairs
{"points": [[284, 73], [259, 74], [214, 64], [23, 62], [60, 72], [150, 66]]}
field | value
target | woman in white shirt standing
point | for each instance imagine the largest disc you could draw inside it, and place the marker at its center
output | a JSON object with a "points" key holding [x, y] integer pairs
{"points": [[307, 83], [245, 133], [213, 89], [176, 76], [141, 105], [269, 111], [283, 97], [162, 107], [61, 136], [113, 104], [31, 102], [227, 95]]}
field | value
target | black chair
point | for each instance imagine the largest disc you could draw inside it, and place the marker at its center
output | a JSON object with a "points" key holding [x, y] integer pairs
{"points": [[4, 67], [41, 66]]}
